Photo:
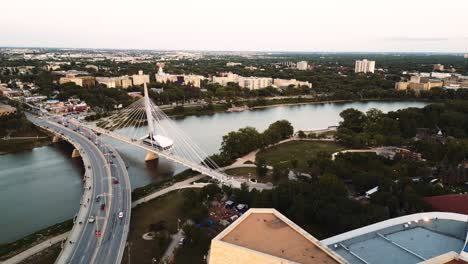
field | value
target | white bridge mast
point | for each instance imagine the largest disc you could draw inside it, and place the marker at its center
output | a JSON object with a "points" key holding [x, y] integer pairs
{"points": [[149, 115]]}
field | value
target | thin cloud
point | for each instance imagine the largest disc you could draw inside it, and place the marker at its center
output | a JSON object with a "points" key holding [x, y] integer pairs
{"points": [[416, 39]]}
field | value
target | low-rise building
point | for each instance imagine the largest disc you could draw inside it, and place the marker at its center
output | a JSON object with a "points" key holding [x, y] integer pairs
{"points": [[115, 82], [232, 64], [83, 81], [438, 67], [283, 83], [419, 83], [226, 78]]}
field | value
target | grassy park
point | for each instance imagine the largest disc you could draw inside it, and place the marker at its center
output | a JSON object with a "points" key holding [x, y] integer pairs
{"points": [[168, 208], [302, 151]]}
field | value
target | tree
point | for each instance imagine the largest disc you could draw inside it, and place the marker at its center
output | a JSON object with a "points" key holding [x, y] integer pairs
{"points": [[279, 172], [261, 167], [353, 120], [237, 144], [301, 134]]}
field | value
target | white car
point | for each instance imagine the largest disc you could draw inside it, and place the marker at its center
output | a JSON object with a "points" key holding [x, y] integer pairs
{"points": [[91, 219], [120, 214]]}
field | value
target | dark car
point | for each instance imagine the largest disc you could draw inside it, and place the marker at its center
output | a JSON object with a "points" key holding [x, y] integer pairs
{"points": [[103, 206]]}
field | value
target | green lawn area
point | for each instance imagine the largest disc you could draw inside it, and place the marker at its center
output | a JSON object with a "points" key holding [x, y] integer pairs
{"points": [[167, 208], [47, 256], [248, 172], [302, 151]]}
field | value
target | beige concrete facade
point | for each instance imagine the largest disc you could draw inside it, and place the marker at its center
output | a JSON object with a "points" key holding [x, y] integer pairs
{"points": [[285, 83], [266, 236], [140, 78], [83, 81]]}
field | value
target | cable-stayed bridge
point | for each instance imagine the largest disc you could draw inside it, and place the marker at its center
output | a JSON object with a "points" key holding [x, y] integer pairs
{"points": [[143, 125]]}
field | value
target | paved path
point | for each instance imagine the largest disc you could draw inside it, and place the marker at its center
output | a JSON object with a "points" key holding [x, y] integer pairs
{"points": [[36, 249], [178, 185], [169, 253]]}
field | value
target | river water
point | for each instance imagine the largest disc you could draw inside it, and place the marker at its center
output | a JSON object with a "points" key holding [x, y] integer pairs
{"points": [[43, 186]]}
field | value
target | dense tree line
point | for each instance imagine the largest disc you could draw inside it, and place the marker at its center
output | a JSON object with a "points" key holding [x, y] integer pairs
{"points": [[238, 143]]}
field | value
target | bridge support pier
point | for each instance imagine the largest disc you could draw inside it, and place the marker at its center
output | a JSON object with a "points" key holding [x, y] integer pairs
{"points": [[56, 139], [75, 153], [151, 156]]}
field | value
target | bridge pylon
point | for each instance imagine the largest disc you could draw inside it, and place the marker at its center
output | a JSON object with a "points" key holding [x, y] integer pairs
{"points": [[151, 156]]}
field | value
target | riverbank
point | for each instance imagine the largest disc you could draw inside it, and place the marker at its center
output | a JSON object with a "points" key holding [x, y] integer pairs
{"points": [[11, 249], [311, 102], [200, 111], [17, 145]]}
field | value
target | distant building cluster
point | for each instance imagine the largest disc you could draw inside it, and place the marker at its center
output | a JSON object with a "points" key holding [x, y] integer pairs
{"points": [[59, 107], [111, 82], [426, 81], [364, 66], [190, 79], [254, 83]]}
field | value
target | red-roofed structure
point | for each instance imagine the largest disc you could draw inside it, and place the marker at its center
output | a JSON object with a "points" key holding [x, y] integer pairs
{"points": [[454, 203]]}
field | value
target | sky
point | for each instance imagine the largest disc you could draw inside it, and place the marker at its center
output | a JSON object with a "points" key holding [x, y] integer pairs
{"points": [[239, 25]]}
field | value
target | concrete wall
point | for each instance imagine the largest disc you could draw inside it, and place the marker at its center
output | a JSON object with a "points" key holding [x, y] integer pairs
{"points": [[225, 253]]}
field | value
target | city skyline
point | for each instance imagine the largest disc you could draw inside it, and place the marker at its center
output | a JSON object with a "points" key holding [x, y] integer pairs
{"points": [[333, 26]]}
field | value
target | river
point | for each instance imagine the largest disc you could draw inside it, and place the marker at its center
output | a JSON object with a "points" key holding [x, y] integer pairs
{"points": [[42, 187]]}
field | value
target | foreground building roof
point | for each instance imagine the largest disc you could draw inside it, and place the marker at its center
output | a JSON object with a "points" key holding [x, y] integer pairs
{"points": [[267, 236], [429, 238]]}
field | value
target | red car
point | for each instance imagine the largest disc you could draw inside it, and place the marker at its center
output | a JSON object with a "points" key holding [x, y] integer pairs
{"points": [[103, 206], [115, 180], [98, 233]]}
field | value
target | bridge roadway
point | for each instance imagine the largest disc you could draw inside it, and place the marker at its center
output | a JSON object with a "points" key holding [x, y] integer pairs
{"points": [[87, 247]]}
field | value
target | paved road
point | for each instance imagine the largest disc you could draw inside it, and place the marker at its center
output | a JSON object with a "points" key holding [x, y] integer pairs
{"points": [[106, 167]]}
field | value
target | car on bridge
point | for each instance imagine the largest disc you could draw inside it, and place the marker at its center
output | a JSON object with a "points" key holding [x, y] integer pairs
{"points": [[115, 180], [98, 233], [91, 219], [103, 206], [121, 215]]}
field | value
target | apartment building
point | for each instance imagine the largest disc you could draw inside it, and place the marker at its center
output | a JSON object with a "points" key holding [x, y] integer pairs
{"points": [[254, 83], [302, 65], [364, 66]]}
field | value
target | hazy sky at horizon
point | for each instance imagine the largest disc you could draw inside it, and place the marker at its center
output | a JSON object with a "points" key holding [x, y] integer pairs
{"points": [[294, 25]]}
